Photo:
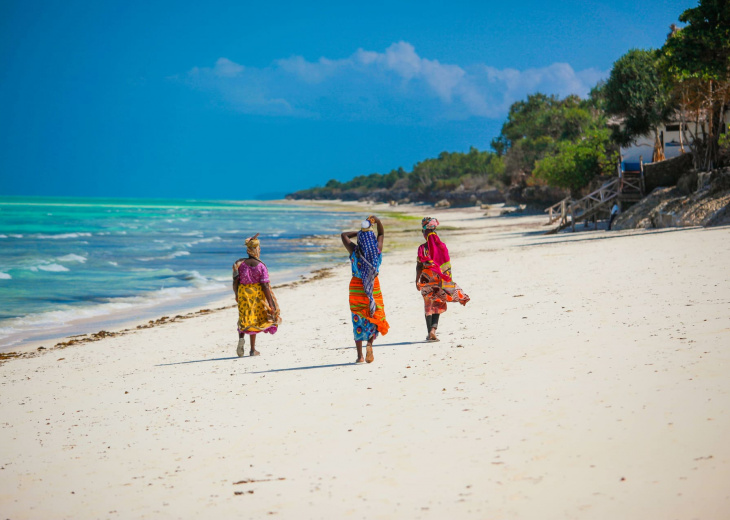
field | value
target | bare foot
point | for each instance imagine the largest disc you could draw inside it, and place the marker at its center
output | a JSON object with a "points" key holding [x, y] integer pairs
{"points": [[240, 349], [254, 352], [360, 359], [432, 336], [369, 357]]}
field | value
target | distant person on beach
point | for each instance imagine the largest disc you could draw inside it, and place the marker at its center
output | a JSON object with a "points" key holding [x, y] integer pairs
{"points": [[615, 210], [366, 300], [433, 277], [258, 310]]}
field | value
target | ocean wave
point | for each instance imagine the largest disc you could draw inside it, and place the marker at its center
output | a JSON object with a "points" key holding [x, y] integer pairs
{"points": [[54, 268], [115, 264], [18, 327], [5, 276], [3, 236], [59, 236], [202, 241], [71, 258], [166, 257], [198, 280]]}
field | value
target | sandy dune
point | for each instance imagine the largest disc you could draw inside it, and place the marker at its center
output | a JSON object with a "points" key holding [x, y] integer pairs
{"points": [[587, 378]]}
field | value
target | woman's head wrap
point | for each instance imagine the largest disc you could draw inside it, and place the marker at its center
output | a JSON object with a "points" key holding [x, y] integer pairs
{"points": [[429, 223], [253, 243], [367, 252]]}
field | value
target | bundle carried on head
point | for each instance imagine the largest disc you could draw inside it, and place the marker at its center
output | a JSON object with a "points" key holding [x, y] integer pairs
{"points": [[252, 243], [429, 223]]}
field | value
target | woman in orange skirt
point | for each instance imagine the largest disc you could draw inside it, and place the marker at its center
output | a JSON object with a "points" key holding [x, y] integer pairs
{"points": [[366, 299]]}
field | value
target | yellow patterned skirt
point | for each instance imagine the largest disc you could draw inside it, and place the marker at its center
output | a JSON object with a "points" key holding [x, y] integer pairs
{"points": [[254, 313]]}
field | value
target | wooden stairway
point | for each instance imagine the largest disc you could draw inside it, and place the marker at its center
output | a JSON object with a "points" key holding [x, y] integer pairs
{"points": [[632, 186], [627, 188], [568, 211]]}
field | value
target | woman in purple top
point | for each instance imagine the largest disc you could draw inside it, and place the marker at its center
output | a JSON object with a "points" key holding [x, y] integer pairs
{"points": [[258, 310]]}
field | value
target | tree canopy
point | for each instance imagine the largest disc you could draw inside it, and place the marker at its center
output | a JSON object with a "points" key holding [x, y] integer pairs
{"points": [[636, 93]]}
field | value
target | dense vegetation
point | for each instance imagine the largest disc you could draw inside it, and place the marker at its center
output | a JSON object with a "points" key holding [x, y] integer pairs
{"points": [[474, 169], [567, 143]]}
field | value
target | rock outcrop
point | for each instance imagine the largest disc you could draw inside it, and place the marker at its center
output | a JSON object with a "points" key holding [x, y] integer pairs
{"points": [[672, 207]]}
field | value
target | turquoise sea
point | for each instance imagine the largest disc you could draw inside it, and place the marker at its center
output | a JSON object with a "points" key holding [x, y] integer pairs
{"points": [[68, 265]]}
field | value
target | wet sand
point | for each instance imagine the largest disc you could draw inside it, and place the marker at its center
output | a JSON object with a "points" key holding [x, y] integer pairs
{"points": [[587, 378]]}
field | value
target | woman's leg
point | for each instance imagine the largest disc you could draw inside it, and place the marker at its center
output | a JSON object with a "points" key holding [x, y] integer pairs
{"points": [[241, 348], [358, 345], [369, 357], [428, 323], [434, 326], [253, 351]]}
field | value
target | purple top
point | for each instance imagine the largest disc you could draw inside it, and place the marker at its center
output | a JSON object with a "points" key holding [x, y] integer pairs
{"points": [[248, 275]]}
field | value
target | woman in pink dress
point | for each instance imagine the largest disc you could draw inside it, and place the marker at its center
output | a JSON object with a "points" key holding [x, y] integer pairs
{"points": [[258, 310], [433, 277]]}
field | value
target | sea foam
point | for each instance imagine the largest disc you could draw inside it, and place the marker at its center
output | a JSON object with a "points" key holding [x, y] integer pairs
{"points": [[71, 258]]}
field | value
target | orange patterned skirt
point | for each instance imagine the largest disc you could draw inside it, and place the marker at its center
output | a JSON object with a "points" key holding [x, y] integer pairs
{"points": [[360, 305], [437, 292]]}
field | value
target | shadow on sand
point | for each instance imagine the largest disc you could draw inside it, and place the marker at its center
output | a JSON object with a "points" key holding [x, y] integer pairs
{"points": [[385, 345], [198, 361], [306, 368], [295, 368]]}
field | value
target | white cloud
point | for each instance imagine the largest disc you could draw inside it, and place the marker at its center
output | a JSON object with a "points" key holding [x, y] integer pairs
{"points": [[394, 85]]}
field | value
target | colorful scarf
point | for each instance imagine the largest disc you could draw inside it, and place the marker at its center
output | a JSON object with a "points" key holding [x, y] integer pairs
{"points": [[367, 252], [436, 250], [429, 223]]}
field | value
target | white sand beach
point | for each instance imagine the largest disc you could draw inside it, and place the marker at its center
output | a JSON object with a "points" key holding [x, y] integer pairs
{"points": [[587, 378]]}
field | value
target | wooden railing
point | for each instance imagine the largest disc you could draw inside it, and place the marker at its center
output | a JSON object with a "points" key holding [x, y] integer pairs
{"points": [[583, 208], [558, 210]]}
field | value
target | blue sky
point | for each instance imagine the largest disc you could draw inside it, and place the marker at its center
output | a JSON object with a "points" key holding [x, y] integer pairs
{"points": [[239, 100]]}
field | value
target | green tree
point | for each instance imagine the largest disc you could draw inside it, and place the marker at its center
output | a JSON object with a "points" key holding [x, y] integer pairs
{"points": [[635, 92], [536, 126], [576, 163], [697, 64]]}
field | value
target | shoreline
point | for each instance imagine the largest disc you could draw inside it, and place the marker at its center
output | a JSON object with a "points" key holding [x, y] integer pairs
{"points": [[121, 322], [33, 330], [33, 348]]}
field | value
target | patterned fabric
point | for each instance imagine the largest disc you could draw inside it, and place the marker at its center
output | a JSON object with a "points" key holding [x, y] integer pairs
{"points": [[355, 263], [429, 223], [252, 243], [248, 275], [437, 290], [438, 253], [368, 258], [254, 313], [362, 329], [432, 306], [367, 325]]}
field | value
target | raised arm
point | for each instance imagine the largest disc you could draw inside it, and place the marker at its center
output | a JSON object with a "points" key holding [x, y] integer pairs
{"points": [[381, 231], [346, 236]]}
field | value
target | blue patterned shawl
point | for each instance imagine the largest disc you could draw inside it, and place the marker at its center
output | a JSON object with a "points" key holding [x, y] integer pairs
{"points": [[367, 252]]}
